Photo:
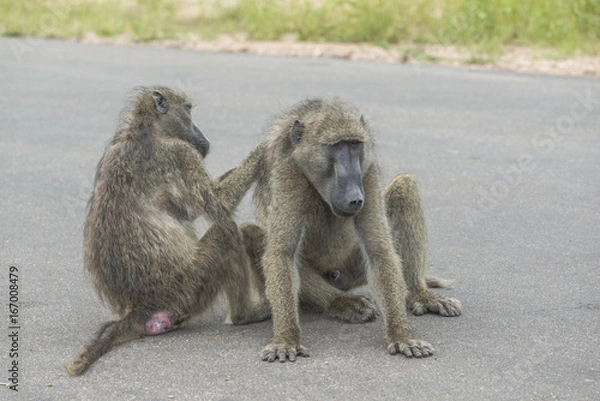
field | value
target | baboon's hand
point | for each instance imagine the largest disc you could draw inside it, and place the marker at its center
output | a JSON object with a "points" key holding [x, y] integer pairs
{"points": [[411, 348], [283, 352], [353, 308]]}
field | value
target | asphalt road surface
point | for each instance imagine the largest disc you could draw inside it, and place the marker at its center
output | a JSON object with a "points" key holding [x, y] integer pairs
{"points": [[509, 171]]}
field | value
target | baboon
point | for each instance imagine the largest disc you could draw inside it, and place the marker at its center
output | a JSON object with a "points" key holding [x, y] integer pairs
{"points": [[329, 227], [140, 245]]}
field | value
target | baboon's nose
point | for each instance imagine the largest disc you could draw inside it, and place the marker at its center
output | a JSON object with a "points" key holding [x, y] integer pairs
{"points": [[355, 205]]}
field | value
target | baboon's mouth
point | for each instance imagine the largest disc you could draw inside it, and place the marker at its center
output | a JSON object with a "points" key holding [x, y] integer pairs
{"points": [[343, 213]]}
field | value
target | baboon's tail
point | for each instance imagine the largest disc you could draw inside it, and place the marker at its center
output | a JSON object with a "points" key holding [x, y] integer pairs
{"points": [[436, 282], [108, 335]]}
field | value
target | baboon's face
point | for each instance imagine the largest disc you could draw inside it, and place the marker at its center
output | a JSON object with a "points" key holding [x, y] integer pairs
{"points": [[200, 141], [335, 169], [177, 120], [345, 186]]}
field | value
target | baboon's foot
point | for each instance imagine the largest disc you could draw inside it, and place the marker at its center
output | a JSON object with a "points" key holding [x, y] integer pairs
{"points": [[433, 303], [161, 322], [260, 313], [283, 352], [353, 309], [411, 348]]}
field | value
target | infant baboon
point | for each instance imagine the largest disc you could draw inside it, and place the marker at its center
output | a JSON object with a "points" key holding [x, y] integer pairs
{"points": [[140, 244], [328, 221]]}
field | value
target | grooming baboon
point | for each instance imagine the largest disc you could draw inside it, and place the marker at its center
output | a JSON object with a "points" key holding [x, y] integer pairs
{"points": [[324, 211], [140, 244]]}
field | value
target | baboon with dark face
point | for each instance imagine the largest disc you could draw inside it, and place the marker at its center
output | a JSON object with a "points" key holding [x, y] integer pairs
{"points": [[140, 245], [326, 219]]}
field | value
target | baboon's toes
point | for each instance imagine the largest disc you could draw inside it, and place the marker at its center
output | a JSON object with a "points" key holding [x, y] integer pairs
{"points": [[353, 309], [443, 306], [450, 307], [411, 348]]}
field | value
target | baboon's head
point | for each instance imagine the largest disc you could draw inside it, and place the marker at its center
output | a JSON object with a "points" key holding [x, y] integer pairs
{"points": [[175, 116], [332, 149], [172, 116]]}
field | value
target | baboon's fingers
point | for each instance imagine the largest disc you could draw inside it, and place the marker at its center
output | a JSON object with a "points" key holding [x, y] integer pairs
{"points": [[268, 356], [284, 353], [301, 351], [298, 351], [270, 353]]}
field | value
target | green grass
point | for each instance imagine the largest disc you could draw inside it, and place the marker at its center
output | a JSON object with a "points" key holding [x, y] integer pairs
{"points": [[69, 18], [569, 26]]}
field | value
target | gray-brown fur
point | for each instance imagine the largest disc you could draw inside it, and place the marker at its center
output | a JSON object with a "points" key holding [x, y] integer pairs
{"points": [[407, 222], [306, 238], [140, 246]]}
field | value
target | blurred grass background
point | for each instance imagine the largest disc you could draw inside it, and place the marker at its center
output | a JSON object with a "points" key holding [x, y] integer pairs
{"points": [[567, 26]]}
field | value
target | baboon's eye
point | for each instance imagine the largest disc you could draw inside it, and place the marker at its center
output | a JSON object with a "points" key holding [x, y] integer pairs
{"points": [[188, 107]]}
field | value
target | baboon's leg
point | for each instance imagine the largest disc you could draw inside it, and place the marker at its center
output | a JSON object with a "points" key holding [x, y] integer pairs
{"points": [[217, 267], [314, 289], [109, 335], [407, 222], [254, 243], [210, 274], [218, 264], [241, 262], [348, 307], [242, 310]]}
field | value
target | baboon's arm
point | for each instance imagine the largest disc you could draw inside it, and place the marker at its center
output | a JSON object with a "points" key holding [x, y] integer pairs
{"points": [[233, 185], [284, 235], [385, 263], [197, 195]]}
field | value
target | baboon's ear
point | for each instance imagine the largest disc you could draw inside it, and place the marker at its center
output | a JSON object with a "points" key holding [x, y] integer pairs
{"points": [[362, 120], [160, 102], [297, 131]]}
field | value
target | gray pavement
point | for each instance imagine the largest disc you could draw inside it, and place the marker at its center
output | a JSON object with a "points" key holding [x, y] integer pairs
{"points": [[509, 169]]}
